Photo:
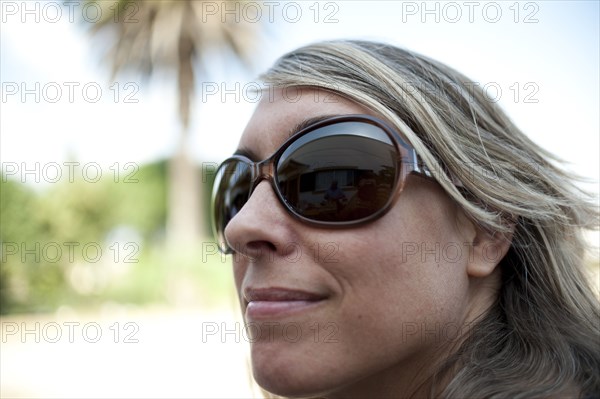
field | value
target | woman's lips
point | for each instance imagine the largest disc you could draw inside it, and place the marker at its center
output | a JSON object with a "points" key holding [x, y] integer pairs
{"points": [[268, 303]]}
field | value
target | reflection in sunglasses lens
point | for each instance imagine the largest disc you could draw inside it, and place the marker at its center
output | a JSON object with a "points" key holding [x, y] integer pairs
{"points": [[232, 193], [339, 173]]}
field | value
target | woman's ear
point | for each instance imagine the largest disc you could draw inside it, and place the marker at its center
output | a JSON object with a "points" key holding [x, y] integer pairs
{"points": [[487, 250]]}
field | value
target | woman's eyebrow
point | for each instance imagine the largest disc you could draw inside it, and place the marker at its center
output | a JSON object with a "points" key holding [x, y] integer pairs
{"points": [[306, 123], [248, 153]]}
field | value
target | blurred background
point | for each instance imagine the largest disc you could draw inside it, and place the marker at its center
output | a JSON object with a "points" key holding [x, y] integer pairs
{"points": [[114, 116]]}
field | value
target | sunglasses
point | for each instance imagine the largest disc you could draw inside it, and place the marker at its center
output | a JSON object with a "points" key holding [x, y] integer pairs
{"points": [[338, 172]]}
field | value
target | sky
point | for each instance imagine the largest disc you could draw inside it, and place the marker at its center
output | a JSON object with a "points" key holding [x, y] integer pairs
{"points": [[540, 60]]}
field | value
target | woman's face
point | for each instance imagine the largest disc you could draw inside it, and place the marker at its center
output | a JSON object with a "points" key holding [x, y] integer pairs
{"points": [[346, 310]]}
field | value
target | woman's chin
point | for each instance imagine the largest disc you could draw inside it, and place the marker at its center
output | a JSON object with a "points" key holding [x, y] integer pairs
{"points": [[285, 375], [284, 384]]}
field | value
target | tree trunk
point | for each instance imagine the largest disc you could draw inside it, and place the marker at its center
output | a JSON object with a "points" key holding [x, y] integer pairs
{"points": [[184, 199]]}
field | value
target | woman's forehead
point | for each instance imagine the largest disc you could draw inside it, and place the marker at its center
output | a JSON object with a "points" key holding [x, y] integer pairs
{"points": [[280, 113]]}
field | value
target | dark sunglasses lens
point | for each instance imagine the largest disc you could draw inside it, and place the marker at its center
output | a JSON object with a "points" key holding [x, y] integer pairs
{"points": [[342, 172], [230, 193]]}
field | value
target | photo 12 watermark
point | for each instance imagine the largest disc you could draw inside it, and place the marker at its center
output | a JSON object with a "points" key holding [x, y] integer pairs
{"points": [[436, 332], [69, 92], [269, 331], [254, 92], [453, 12], [470, 172], [289, 252], [69, 332], [70, 172], [447, 252], [290, 12], [71, 11], [68, 252]]}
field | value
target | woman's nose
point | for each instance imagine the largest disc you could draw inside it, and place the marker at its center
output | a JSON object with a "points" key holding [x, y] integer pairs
{"points": [[263, 227]]}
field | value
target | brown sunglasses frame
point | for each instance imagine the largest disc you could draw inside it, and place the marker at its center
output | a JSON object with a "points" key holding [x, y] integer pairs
{"points": [[266, 170]]}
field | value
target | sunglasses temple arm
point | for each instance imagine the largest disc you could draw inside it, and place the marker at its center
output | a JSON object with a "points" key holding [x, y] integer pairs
{"points": [[419, 166]]}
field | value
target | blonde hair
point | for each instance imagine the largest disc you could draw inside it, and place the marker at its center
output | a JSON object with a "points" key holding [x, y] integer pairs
{"points": [[540, 339]]}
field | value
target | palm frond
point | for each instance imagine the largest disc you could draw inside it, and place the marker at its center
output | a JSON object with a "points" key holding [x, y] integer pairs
{"points": [[173, 36]]}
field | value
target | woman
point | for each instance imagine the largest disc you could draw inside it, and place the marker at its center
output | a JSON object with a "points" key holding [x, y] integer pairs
{"points": [[461, 276]]}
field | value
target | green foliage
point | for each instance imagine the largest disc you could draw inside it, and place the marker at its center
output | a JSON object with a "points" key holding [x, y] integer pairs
{"points": [[44, 232], [140, 200]]}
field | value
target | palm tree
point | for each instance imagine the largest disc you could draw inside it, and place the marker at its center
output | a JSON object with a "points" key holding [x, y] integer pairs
{"points": [[175, 36]]}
